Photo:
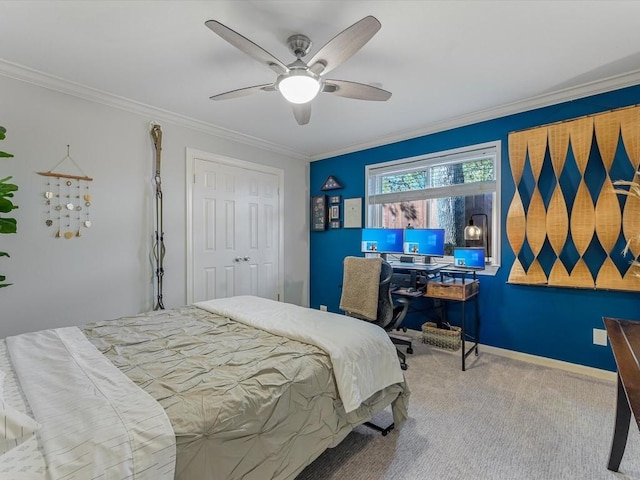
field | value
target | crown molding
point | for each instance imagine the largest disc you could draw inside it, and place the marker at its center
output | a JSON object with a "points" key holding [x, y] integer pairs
{"points": [[585, 90], [51, 82]]}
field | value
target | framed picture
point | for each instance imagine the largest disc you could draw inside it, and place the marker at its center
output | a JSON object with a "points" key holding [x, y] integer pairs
{"points": [[335, 224], [353, 213], [335, 199], [319, 213], [335, 212], [331, 183]]}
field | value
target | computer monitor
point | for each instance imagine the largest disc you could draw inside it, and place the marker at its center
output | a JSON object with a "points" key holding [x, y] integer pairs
{"points": [[424, 241], [381, 240], [469, 257]]}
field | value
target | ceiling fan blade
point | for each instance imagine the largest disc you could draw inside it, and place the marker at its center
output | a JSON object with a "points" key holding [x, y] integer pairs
{"points": [[243, 92], [341, 47], [247, 46], [360, 91], [302, 112]]}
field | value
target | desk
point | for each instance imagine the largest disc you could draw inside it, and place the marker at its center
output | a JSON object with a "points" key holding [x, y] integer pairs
{"points": [[419, 267], [470, 294], [466, 290], [624, 336], [414, 269]]}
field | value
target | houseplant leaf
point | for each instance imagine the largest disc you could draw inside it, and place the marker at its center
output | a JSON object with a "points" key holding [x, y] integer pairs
{"points": [[8, 225], [2, 279], [5, 205]]}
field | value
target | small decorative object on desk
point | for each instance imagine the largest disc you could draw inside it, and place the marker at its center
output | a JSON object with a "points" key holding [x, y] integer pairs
{"points": [[440, 337]]}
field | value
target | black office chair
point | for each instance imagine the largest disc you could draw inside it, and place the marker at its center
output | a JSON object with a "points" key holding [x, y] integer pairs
{"points": [[389, 315]]}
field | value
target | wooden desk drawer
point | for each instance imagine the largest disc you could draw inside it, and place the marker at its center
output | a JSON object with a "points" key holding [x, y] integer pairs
{"points": [[453, 289]]}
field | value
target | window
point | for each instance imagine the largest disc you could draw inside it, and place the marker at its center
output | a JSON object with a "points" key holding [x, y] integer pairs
{"points": [[441, 190]]}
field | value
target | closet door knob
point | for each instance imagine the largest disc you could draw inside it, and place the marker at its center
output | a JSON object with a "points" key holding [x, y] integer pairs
{"points": [[246, 259]]}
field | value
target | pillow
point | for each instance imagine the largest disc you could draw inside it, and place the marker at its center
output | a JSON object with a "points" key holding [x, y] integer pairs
{"points": [[15, 427]]}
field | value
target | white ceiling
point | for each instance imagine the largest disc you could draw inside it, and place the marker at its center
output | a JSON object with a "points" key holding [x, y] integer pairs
{"points": [[446, 62]]}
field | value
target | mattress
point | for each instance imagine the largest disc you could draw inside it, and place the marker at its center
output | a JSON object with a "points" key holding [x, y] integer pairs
{"points": [[89, 419], [239, 401], [243, 402], [26, 461]]}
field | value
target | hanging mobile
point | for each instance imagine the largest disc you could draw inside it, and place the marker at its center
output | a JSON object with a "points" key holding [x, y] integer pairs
{"points": [[78, 208], [58, 208], [48, 195], [68, 234], [72, 200], [87, 203]]}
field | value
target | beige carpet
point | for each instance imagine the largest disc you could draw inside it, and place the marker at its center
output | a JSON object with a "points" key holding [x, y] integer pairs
{"points": [[501, 419]]}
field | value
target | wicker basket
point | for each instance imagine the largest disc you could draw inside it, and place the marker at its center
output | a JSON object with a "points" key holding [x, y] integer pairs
{"points": [[439, 337]]}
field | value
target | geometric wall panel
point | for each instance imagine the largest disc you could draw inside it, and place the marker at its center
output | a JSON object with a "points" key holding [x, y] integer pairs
{"points": [[566, 220]]}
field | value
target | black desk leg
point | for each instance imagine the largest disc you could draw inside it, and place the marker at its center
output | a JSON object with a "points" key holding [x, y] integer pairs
{"points": [[623, 419], [477, 314], [476, 332], [462, 334]]}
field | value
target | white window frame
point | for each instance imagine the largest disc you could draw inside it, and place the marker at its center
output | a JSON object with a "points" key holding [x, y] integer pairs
{"points": [[439, 158]]}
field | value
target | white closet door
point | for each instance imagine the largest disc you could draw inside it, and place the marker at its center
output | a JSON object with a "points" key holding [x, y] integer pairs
{"points": [[235, 231]]}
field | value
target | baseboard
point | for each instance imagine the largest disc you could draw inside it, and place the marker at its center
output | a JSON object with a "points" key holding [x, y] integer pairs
{"points": [[537, 360], [549, 362]]}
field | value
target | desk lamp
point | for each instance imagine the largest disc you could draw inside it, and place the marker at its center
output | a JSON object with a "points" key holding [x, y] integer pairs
{"points": [[474, 232]]}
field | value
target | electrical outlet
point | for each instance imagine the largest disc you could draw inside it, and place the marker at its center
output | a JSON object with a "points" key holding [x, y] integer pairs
{"points": [[323, 308], [599, 337]]}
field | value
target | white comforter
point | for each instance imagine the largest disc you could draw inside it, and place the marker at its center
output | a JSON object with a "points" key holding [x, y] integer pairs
{"points": [[364, 358], [96, 423]]}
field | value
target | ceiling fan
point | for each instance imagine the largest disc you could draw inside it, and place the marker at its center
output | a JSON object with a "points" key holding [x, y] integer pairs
{"points": [[300, 82]]}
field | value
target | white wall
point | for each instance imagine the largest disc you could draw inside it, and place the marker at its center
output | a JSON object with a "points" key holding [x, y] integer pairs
{"points": [[107, 273]]}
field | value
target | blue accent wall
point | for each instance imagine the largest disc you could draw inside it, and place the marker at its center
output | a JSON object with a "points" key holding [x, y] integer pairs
{"points": [[546, 321]]}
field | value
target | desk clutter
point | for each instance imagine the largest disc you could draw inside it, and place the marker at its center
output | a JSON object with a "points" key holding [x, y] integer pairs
{"points": [[408, 292]]}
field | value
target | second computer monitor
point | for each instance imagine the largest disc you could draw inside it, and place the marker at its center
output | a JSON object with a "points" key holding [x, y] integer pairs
{"points": [[424, 241]]}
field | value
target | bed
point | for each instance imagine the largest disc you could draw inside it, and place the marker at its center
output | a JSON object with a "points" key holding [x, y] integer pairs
{"points": [[242, 387]]}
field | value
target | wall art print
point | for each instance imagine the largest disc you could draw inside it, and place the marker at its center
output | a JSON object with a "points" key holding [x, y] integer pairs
{"points": [[566, 224]]}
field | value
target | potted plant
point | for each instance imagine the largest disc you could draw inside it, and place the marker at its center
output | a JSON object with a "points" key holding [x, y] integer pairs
{"points": [[7, 224], [633, 191]]}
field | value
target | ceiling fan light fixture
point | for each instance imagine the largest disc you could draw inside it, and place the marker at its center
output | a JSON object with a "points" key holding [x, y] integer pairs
{"points": [[299, 86]]}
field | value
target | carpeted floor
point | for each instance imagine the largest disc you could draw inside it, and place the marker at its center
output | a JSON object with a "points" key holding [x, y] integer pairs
{"points": [[501, 419]]}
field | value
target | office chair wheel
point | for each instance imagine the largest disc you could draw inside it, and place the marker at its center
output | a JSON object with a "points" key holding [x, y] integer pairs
{"points": [[404, 366], [409, 350]]}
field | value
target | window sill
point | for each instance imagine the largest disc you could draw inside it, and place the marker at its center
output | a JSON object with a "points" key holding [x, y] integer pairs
{"points": [[490, 269]]}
